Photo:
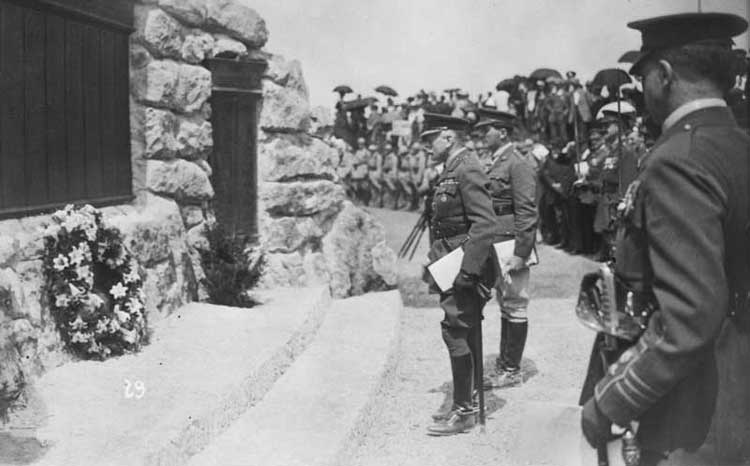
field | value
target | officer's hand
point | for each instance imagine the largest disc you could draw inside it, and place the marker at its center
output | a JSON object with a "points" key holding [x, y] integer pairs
{"points": [[514, 263], [465, 280], [597, 428]]}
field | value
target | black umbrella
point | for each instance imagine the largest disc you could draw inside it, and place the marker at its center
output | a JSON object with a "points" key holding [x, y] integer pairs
{"points": [[629, 56], [507, 85], [544, 73], [359, 103], [612, 78], [342, 90], [387, 90]]}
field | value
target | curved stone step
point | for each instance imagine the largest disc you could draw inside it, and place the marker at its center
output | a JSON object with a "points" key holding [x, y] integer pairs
{"points": [[205, 366], [323, 404]]}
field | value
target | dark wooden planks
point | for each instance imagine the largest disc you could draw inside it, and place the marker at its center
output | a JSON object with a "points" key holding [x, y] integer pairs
{"points": [[13, 108], [35, 115], [57, 151], [123, 182], [74, 110], [92, 111]]}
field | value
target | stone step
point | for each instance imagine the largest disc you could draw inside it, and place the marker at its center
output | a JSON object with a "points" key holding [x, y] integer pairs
{"points": [[322, 406], [205, 366]]}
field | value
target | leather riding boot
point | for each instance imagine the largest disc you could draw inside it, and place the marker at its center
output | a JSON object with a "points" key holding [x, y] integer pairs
{"points": [[461, 416], [510, 374], [502, 358]]}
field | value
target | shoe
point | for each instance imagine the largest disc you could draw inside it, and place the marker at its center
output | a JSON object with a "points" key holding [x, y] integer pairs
{"points": [[509, 378], [459, 421]]}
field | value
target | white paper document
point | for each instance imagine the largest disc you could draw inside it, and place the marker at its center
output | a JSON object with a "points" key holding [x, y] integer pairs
{"points": [[504, 251], [445, 270]]}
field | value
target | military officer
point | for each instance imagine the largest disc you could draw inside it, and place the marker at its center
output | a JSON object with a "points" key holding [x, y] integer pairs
{"points": [[683, 251], [461, 216], [513, 191]]}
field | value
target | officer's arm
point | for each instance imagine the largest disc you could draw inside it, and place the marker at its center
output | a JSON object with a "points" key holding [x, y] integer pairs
{"points": [[478, 204], [684, 209], [523, 183]]}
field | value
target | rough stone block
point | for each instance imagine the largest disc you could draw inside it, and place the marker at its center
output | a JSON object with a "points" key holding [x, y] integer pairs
{"points": [[31, 276], [284, 110], [283, 270], [316, 269], [288, 157], [194, 138], [385, 263], [237, 20], [286, 73], [301, 198], [159, 134], [197, 46], [192, 12], [158, 31], [225, 45], [192, 215], [288, 234], [348, 250], [179, 179], [156, 83], [193, 88]]}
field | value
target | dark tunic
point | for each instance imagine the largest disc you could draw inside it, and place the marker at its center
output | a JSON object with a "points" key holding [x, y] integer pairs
{"points": [[684, 242]]}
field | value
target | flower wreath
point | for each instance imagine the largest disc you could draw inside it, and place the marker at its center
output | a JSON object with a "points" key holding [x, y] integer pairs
{"points": [[93, 285]]}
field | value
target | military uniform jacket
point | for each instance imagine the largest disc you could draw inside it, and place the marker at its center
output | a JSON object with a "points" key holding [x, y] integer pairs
{"points": [[513, 191], [461, 211], [683, 242]]}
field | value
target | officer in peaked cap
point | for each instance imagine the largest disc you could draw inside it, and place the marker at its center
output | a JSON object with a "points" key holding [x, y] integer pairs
{"points": [[682, 254], [461, 216], [513, 189]]}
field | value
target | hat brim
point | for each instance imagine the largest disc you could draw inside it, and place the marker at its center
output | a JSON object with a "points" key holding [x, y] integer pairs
{"points": [[638, 61], [493, 124], [431, 132]]}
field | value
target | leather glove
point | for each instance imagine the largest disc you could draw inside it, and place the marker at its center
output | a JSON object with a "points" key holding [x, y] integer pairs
{"points": [[597, 428], [465, 280]]}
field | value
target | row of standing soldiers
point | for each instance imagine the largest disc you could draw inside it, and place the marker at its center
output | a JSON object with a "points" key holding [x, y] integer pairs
{"points": [[395, 177], [582, 189]]}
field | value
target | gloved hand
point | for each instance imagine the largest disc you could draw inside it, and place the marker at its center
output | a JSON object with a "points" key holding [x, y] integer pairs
{"points": [[597, 428], [465, 280]]}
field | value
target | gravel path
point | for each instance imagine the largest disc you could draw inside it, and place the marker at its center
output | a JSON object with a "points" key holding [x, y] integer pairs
{"points": [[554, 364]]}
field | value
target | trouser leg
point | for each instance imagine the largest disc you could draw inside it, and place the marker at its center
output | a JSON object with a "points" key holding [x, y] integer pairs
{"points": [[514, 321]]}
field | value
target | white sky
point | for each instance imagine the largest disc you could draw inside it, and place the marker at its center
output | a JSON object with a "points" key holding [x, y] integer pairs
{"points": [[472, 44]]}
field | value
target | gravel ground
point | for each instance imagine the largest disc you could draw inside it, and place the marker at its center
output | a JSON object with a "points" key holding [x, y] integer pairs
{"points": [[554, 365]]}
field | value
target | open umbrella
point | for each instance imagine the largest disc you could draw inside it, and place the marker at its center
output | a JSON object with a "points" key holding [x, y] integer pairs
{"points": [[626, 108], [611, 77], [544, 73], [387, 90], [343, 89], [507, 85], [359, 103], [629, 56]]}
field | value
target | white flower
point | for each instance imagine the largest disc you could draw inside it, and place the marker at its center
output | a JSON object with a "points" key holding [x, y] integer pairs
{"points": [[94, 347], [62, 300], [78, 324], [132, 276], [77, 255], [60, 262], [95, 301], [122, 316], [118, 291], [134, 305], [91, 232], [74, 291], [101, 326], [113, 326], [128, 335], [83, 271], [79, 337]]}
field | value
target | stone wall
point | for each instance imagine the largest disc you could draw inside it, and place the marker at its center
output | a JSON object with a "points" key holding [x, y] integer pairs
{"points": [[309, 232]]}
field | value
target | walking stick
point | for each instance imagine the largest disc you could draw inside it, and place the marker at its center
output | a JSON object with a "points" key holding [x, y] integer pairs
{"points": [[412, 235]]}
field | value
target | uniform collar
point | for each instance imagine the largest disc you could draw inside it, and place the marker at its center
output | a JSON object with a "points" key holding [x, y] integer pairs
{"points": [[499, 152], [449, 162], [690, 107]]}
